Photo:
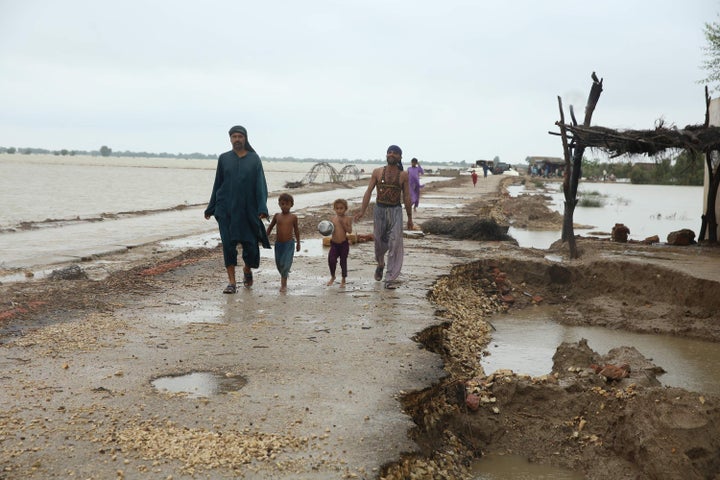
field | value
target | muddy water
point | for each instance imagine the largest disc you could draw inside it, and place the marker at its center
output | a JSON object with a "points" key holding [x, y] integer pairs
{"points": [[525, 342], [199, 384], [87, 207], [513, 467]]}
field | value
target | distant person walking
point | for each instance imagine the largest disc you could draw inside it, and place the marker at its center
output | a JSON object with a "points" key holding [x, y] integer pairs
{"points": [[239, 203], [285, 243], [414, 173], [339, 243], [485, 170], [392, 191], [474, 176]]}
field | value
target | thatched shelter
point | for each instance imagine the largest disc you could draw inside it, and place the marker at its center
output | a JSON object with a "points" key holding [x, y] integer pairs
{"points": [[576, 137], [698, 138]]}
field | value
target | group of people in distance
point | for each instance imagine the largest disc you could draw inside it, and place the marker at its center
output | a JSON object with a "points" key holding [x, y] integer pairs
{"points": [[239, 204]]}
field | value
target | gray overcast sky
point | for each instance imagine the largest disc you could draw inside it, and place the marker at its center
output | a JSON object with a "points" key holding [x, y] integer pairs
{"points": [[447, 81]]}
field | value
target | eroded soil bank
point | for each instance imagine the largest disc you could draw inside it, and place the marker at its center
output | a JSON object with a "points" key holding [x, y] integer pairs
{"points": [[573, 418]]}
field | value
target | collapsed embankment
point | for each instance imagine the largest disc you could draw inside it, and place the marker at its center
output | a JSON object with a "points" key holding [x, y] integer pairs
{"points": [[573, 417]]}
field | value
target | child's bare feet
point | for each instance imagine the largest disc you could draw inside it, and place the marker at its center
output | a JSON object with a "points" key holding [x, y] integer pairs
{"points": [[342, 283], [331, 281], [283, 284]]}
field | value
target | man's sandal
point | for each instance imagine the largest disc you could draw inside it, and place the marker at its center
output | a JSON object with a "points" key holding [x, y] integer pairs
{"points": [[379, 272], [230, 288], [247, 279]]}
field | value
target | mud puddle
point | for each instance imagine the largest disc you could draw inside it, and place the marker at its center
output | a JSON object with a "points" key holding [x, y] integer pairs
{"points": [[514, 467], [525, 341], [199, 384]]}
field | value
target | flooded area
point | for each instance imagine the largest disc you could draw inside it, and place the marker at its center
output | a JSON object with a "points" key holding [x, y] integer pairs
{"points": [[85, 207], [199, 384], [525, 341], [646, 210], [341, 368]]}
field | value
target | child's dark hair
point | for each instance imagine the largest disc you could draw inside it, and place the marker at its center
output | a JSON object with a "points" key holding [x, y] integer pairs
{"points": [[341, 201], [286, 197]]}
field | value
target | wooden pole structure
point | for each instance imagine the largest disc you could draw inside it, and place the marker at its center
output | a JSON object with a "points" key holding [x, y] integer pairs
{"points": [[709, 218], [572, 178]]}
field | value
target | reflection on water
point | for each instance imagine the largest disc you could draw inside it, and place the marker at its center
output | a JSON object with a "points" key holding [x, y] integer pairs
{"points": [[193, 312], [199, 384], [514, 467], [535, 238], [525, 341]]}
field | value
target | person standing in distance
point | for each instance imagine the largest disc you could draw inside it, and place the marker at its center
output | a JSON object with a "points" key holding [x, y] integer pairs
{"points": [[239, 203], [414, 173], [393, 190]]}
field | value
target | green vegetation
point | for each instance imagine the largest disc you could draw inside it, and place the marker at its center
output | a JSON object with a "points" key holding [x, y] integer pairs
{"points": [[592, 202], [712, 53], [591, 199], [686, 168]]}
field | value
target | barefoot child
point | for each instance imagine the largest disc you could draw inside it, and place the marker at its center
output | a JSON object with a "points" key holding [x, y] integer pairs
{"points": [[287, 224], [339, 244]]}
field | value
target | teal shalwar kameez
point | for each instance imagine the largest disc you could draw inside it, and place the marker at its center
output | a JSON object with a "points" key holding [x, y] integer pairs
{"points": [[239, 196]]}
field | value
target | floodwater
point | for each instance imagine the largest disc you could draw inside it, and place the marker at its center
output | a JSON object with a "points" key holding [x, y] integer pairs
{"points": [[85, 207], [525, 341], [34, 188], [646, 210]]}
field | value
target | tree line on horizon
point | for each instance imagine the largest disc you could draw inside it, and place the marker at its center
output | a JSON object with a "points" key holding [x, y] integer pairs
{"points": [[687, 168], [103, 151], [106, 151]]}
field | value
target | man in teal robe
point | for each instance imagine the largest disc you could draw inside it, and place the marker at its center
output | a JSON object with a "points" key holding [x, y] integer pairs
{"points": [[239, 203]]}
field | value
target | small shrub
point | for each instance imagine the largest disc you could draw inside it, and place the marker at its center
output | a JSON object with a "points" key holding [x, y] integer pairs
{"points": [[595, 202]]}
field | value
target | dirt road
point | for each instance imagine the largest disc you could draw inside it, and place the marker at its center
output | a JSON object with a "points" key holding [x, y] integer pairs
{"points": [[323, 367], [361, 382]]}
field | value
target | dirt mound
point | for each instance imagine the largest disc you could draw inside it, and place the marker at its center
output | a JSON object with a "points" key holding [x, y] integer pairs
{"points": [[467, 228], [532, 211]]}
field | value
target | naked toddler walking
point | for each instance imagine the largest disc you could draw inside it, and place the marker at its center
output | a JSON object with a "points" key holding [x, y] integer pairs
{"points": [[339, 244], [287, 224]]}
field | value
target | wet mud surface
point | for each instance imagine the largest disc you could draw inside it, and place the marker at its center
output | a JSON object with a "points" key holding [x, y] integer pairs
{"points": [[360, 382]]}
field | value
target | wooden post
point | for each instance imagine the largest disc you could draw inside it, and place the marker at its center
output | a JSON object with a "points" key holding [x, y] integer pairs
{"points": [[570, 187], [709, 222]]}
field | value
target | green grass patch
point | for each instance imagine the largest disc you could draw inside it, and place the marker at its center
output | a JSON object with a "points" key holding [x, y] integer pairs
{"points": [[595, 202]]}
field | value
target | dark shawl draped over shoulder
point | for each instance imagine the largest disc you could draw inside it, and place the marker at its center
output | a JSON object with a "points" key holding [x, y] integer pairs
{"points": [[239, 196]]}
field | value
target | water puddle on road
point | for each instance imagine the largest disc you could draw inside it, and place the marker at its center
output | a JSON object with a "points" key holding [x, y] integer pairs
{"points": [[194, 312], [525, 341], [514, 467], [199, 384]]}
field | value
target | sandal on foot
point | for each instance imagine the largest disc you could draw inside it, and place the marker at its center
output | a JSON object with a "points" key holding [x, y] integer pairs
{"points": [[379, 273], [392, 284], [247, 279], [230, 288]]}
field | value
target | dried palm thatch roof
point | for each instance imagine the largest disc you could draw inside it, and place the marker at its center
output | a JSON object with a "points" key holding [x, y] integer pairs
{"points": [[697, 138]]}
